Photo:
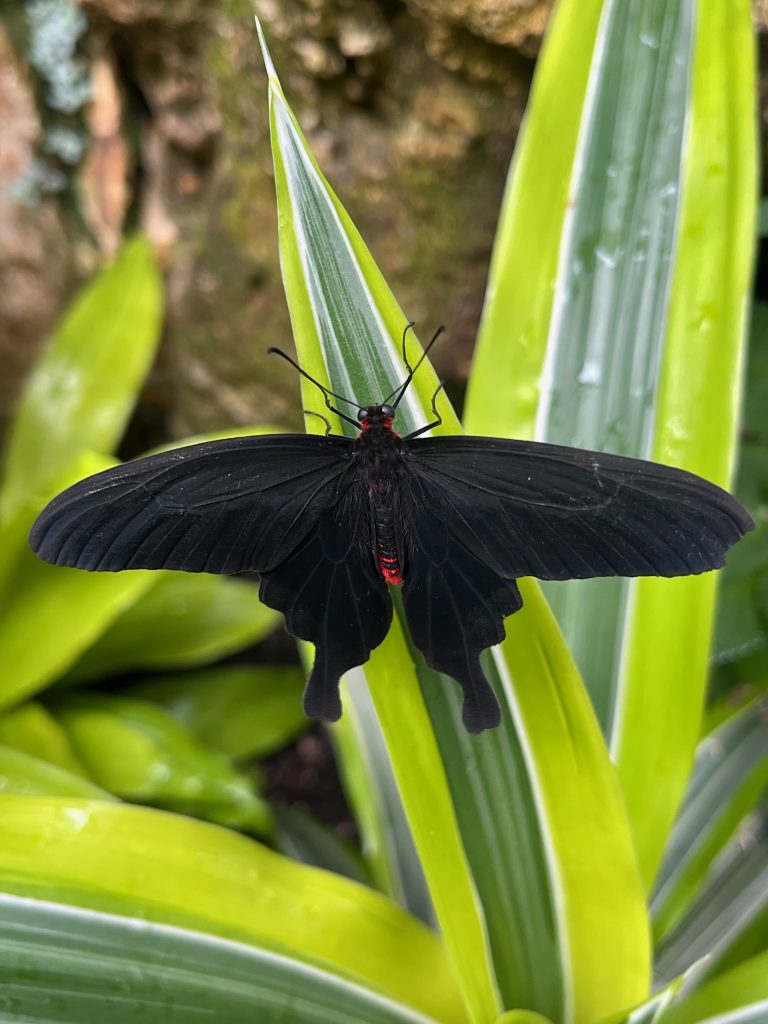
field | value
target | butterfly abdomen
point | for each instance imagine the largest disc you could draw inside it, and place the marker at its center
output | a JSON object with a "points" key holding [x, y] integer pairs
{"points": [[387, 557], [379, 450]]}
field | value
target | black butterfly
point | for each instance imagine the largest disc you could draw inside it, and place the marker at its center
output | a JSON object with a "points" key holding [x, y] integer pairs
{"points": [[328, 522]]}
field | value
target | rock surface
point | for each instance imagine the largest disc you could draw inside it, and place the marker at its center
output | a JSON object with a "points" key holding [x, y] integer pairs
{"points": [[35, 255], [411, 108], [411, 115]]}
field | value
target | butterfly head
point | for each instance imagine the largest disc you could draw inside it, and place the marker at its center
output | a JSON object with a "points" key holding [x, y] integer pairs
{"points": [[375, 416]]}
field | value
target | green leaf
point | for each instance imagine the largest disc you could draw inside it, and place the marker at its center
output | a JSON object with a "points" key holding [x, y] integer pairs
{"points": [[522, 1017], [738, 997], [23, 774], [82, 391], [242, 710], [183, 620], [48, 614], [65, 964], [732, 900], [174, 870], [251, 430], [504, 385], [416, 757], [652, 1010], [341, 312], [33, 730], [750, 939], [562, 940], [137, 751], [304, 838], [605, 334], [663, 681], [730, 773], [371, 791], [742, 619], [600, 916], [626, 327]]}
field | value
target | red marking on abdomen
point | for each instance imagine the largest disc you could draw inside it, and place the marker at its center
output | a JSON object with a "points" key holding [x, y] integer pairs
{"points": [[387, 555], [390, 569]]}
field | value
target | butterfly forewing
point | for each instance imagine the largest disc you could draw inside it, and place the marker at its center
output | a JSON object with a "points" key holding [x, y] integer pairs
{"points": [[529, 509], [221, 506]]}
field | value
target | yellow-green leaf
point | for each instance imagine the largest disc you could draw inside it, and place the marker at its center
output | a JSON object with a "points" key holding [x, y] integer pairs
{"points": [[168, 868]]}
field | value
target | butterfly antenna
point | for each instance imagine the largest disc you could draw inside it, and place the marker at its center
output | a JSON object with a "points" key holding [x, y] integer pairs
{"points": [[326, 391], [408, 327], [404, 386]]}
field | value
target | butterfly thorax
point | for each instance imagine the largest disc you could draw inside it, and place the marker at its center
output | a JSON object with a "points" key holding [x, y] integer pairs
{"points": [[380, 459]]}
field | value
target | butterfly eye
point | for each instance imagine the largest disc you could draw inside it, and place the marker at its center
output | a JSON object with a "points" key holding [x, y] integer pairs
{"points": [[387, 412], [362, 415]]}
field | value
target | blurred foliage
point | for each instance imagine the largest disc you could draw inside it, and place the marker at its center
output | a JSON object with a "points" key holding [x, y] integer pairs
{"points": [[740, 650], [245, 711], [62, 626]]}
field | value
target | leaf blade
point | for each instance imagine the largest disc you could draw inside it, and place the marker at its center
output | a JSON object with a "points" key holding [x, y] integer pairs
{"points": [[59, 964], [74, 401], [317, 255], [174, 870], [403, 697]]}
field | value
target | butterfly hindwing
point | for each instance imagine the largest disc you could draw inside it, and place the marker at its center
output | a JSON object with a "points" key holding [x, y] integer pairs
{"points": [[455, 603], [530, 509], [332, 594], [221, 506]]}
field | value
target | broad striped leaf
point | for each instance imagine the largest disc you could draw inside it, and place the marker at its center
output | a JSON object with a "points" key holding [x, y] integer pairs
{"points": [[344, 319], [625, 327], [730, 773], [498, 847], [738, 997], [731, 903], [60, 964], [657, 725], [371, 790], [652, 1010], [171, 869]]}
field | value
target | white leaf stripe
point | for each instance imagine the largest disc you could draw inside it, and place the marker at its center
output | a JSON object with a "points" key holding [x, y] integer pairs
{"points": [[359, 314]]}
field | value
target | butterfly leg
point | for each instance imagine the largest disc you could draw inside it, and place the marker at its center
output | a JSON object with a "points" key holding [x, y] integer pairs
{"points": [[437, 420]]}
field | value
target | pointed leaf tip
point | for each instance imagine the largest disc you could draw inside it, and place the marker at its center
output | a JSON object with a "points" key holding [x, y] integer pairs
{"points": [[271, 72]]}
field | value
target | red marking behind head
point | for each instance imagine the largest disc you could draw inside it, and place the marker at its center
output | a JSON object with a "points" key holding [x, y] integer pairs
{"points": [[385, 423]]}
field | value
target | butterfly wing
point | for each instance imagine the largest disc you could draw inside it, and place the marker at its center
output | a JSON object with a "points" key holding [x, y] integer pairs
{"points": [[455, 603], [482, 512], [221, 506], [331, 593], [289, 507], [530, 509]]}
